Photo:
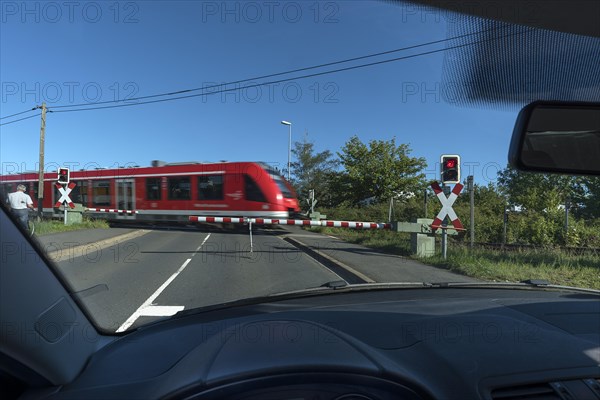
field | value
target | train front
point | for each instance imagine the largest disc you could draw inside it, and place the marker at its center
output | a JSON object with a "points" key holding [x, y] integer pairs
{"points": [[285, 195]]}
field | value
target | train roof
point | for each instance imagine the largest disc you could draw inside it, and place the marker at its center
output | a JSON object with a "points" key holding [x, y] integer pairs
{"points": [[157, 169]]}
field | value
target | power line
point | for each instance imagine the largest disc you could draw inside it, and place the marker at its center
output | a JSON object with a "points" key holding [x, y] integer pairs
{"points": [[20, 119], [279, 73], [19, 113], [288, 79]]}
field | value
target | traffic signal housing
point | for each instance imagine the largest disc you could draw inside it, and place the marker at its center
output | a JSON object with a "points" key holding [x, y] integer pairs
{"points": [[450, 165], [63, 176]]}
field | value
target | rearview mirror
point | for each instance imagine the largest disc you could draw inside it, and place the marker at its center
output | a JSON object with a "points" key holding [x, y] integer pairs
{"points": [[557, 137]]}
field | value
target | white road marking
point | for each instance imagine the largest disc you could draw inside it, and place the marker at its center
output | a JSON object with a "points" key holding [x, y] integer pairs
{"points": [[161, 311], [201, 244], [148, 307]]}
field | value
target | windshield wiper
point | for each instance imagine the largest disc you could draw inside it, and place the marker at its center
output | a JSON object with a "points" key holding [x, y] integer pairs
{"points": [[526, 284], [341, 286]]}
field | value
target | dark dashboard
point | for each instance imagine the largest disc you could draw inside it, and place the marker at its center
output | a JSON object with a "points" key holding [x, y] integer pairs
{"points": [[430, 343]]}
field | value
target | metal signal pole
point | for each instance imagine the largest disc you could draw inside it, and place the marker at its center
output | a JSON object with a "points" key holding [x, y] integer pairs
{"points": [[41, 171], [472, 198]]}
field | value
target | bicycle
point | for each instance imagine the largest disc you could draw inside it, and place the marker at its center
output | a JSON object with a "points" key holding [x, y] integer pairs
{"points": [[31, 224]]}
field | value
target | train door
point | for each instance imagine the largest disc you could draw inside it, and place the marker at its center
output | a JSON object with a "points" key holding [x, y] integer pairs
{"points": [[125, 199]]}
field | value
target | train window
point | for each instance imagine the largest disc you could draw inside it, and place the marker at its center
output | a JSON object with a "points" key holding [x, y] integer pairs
{"points": [[32, 190], [210, 187], [83, 192], [101, 193], [253, 192], [5, 189], [179, 188], [152, 188]]}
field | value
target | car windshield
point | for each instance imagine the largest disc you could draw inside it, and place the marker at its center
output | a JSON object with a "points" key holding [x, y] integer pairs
{"points": [[178, 155]]}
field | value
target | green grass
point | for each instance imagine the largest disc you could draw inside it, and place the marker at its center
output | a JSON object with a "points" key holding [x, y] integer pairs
{"points": [[54, 226], [554, 265]]}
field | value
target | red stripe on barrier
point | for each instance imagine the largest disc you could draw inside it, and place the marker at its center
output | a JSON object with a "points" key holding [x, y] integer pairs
{"points": [[268, 221]]}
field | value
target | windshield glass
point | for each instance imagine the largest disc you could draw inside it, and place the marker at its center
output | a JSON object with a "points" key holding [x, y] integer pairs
{"points": [[168, 131]]}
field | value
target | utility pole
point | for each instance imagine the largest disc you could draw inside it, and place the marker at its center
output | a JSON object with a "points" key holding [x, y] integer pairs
{"points": [[41, 171], [425, 200], [446, 191], [472, 197]]}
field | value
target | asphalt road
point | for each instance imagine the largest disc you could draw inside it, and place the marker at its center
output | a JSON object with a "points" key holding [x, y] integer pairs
{"points": [[163, 271], [153, 274]]}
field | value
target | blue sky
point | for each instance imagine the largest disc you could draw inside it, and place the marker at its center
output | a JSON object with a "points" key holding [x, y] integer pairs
{"points": [[100, 51]]}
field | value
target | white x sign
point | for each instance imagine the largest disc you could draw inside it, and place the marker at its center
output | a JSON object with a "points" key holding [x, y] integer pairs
{"points": [[64, 195], [447, 209]]}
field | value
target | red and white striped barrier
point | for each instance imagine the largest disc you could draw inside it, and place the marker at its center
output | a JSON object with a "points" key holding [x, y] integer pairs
{"points": [[300, 222], [228, 220], [111, 210]]}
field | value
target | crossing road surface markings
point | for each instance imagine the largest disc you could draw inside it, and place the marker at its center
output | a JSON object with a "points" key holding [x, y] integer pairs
{"points": [[148, 309]]}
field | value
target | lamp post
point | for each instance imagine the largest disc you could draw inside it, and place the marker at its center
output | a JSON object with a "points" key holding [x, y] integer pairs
{"points": [[289, 145]]}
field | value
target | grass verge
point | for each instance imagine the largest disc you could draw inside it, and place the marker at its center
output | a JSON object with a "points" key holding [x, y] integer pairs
{"points": [[51, 226], [555, 266]]}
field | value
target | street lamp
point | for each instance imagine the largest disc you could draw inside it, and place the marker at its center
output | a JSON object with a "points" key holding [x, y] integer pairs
{"points": [[289, 146]]}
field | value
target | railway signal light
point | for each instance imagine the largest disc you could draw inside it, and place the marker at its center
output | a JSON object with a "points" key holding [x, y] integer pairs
{"points": [[63, 176], [450, 165]]}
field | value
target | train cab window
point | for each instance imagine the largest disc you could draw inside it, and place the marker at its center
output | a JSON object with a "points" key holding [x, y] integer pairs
{"points": [[282, 185], [179, 188], [253, 192], [210, 187], [101, 193], [152, 188]]}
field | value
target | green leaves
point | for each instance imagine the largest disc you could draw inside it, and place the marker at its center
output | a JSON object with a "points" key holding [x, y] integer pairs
{"points": [[313, 171], [380, 170], [542, 193]]}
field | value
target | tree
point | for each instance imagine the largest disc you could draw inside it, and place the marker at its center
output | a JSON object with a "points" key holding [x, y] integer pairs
{"points": [[541, 199], [379, 171], [590, 201], [542, 193], [313, 171]]}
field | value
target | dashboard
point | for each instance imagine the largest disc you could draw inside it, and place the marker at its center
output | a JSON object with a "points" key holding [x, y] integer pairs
{"points": [[429, 343]]}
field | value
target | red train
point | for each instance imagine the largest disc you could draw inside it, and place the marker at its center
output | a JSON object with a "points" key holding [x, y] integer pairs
{"points": [[170, 192]]}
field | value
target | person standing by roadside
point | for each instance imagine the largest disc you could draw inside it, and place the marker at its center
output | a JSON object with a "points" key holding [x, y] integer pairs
{"points": [[20, 202]]}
